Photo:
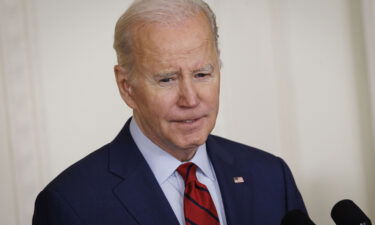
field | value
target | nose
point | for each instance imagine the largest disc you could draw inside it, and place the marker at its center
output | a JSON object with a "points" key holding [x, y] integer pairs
{"points": [[188, 95]]}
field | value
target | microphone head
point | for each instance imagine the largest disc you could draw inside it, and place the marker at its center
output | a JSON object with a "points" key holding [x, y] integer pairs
{"points": [[296, 217], [346, 212]]}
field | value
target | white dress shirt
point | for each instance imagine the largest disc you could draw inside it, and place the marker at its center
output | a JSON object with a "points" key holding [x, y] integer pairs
{"points": [[164, 166]]}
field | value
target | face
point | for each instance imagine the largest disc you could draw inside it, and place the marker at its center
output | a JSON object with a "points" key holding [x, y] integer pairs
{"points": [[175, 91]]}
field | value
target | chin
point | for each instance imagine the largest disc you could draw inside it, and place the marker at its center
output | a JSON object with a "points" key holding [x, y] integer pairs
{"points": [[193, 142]]}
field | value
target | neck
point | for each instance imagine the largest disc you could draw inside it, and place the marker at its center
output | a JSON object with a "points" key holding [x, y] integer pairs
{"points": [[185, 155]]}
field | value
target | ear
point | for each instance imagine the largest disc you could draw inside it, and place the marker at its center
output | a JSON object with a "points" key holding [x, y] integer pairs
{"points": [[124, 87]]}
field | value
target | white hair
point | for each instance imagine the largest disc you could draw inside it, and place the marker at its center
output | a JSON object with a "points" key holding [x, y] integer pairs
{"points": [[169, 12]]}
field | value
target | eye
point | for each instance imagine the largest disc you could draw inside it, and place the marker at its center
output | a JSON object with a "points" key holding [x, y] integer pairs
{"points": [[201, 75], [166, 80]]}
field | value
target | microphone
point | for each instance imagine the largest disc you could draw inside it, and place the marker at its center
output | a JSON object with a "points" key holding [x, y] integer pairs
{"points": [[346, 212], [296, 217]]}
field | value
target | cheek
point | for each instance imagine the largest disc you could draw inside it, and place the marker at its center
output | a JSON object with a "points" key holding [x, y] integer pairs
{"points": [[161, 103], [211, 94]]}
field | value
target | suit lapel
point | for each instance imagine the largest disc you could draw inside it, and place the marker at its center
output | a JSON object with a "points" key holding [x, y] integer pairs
{"points": [[143, 198], [237, 197], [139, 191]]}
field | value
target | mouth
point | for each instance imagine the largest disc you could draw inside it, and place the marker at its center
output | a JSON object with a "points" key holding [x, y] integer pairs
{"points": [[188, 121]]}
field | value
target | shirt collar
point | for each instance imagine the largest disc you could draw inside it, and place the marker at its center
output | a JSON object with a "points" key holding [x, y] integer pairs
{"points": [[203, 162], [163, 164]]}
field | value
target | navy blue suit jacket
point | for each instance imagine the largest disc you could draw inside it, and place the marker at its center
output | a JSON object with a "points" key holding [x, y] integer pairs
{"points": [[115, 186]]}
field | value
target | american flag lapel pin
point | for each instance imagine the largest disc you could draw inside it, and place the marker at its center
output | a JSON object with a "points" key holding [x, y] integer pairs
{"points": [[238, 180]]}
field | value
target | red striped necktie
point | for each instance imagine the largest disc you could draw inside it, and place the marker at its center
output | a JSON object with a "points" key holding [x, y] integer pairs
{"points": [[199, 208]]}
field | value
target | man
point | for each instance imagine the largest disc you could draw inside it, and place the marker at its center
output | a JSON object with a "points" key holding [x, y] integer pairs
{"points": [[164, 167]]}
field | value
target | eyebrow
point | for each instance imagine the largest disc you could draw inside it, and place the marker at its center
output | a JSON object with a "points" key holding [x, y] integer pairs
{"points": [[166, 74], [207, 68]]}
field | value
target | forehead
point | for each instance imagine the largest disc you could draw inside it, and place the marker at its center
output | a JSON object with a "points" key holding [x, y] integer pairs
{"points": [[190, 40]]}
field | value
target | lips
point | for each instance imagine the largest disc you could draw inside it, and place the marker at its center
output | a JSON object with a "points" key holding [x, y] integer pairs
{"points": [[190, 124], [189, 120]]}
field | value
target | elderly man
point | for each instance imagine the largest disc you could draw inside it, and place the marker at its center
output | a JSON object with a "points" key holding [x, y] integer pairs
{"points": [[164, 167]]}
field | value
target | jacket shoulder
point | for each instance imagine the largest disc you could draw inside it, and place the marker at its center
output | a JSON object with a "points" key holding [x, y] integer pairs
{"points": [[242, 151], [83, 174]]}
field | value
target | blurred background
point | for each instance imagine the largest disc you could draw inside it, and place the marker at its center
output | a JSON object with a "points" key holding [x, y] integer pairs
{"points": [[298, 81]]}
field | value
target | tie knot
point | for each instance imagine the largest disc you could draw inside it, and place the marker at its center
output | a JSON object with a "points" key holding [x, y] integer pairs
{"points": [[188, 172]]}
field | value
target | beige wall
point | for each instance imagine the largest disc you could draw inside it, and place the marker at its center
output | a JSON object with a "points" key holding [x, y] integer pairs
{"points": [[296, 82]]}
